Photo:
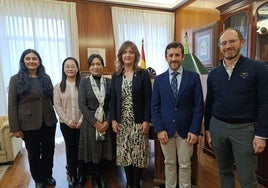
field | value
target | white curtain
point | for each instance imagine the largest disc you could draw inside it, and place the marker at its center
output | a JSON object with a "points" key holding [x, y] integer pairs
{"points": [[155, 27], [50, 27]]}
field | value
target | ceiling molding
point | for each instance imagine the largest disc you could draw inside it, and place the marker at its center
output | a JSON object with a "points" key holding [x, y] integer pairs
{"points": [[167, 4], [162, 4]]}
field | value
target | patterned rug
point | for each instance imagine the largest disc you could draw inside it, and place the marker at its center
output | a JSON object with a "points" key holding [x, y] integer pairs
{"points": [[3, 169]]}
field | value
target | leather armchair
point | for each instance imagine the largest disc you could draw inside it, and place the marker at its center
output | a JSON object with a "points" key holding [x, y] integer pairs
{"points": [[9, 145]]}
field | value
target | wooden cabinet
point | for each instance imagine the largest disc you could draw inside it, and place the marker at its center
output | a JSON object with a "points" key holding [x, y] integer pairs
{"points": [[262, 171], [251, 18], [261, 42]]}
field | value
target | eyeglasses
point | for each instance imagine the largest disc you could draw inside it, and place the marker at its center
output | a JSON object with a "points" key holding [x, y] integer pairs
{"points": [[230, 42]]}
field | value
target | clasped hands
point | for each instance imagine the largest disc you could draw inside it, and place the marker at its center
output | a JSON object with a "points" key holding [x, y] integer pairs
{"points": [[75, 125], [145, 127], [101, 126]]}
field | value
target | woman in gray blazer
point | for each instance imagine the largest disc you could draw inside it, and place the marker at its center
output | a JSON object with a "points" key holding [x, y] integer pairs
{"points": [[32, 116]]}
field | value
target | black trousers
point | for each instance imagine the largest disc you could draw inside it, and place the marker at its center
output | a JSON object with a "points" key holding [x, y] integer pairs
{"points": [[40, 146], [71, 138], [92, 169]]}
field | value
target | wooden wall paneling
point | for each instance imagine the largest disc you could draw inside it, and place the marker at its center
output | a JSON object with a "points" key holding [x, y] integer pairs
{"points": [[95, 31], [95, 28], [189, 19]]}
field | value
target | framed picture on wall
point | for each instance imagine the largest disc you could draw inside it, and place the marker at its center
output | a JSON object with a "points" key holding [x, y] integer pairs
{"points": [[205, 44]]}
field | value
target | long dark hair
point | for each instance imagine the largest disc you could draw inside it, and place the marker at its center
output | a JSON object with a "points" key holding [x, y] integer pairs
{"points": [[64, 77], [23, 85]]}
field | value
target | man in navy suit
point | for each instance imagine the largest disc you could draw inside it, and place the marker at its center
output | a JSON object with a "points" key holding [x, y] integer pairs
{"points": [[177, 110]]}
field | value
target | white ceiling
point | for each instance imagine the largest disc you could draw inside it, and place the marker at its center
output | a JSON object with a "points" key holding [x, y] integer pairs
{"points": [[167, 4], [211, 4]]}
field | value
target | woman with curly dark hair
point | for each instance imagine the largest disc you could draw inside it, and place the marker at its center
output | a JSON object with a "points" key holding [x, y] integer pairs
{"points": [[32, 116]]}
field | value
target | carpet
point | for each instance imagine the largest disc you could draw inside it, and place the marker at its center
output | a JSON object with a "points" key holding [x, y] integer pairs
{"points": [[3, 169]]}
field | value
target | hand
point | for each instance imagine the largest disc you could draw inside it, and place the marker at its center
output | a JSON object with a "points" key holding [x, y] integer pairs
{"points": [[98, 125], [18, 134], [145, 127], [73, 125], [115, 126], [208, 138], [192, 138], [258, 144], [162, 137], [78, 125], [104, 127]]}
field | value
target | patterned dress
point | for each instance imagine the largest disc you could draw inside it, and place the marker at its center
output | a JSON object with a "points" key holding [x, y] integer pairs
{"points": [[132, 145]]}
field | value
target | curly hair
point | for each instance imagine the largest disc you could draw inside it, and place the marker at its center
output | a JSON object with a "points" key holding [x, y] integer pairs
{"points": [[64, 77], [23, 84], [120, 63]]}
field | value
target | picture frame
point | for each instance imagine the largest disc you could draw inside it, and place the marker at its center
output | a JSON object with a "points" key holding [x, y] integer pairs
{"points": [[205, 44]]}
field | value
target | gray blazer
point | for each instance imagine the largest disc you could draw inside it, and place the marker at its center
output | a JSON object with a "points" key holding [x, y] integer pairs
{"points": [[27, 112]]}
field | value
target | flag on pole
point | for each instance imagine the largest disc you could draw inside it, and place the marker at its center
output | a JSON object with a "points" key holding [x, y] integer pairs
{"points": [[143, 61]]}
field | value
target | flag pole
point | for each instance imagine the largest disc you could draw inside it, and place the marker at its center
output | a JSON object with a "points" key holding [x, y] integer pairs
{"points": [[143, 61]]}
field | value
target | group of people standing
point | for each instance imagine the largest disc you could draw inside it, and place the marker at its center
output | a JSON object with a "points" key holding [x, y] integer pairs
{"points": [[103, 119], [95, 113]]}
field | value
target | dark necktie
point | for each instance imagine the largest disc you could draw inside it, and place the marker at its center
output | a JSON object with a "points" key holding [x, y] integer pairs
{"points": [[174, 83]]}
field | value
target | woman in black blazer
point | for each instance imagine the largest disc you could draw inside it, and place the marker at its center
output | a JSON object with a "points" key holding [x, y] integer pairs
{"points": [[130, 113], [32, 116]]}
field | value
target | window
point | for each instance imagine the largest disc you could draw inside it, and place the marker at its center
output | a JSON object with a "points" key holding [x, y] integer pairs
{"points": [[155, 27], [41, 25]]}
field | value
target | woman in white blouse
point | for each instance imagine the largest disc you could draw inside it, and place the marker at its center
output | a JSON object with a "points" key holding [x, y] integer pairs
{"points": [[66, 104]]}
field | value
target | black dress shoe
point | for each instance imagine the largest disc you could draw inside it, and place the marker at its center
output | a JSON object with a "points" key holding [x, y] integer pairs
{"points": [[72, 182], [104, 183], [39, 185], [51, 181], [81, 181], [96, 181]]}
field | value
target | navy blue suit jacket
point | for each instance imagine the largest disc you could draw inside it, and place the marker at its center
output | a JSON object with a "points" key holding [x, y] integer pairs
{"points": [[183, 114]]}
